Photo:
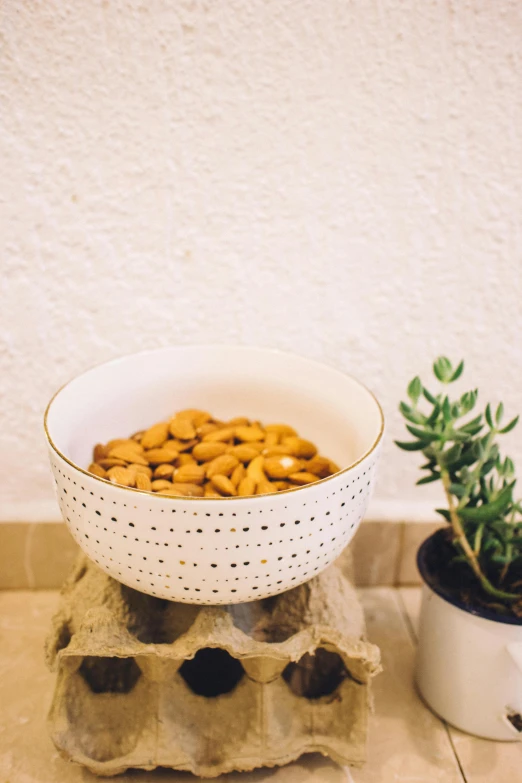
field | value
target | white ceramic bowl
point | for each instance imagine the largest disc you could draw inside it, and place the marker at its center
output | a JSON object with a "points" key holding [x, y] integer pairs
{"points": [[206, 550]]}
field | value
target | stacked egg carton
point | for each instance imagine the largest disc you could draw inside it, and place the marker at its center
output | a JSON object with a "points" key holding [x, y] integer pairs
{"points": [[144, 683]]}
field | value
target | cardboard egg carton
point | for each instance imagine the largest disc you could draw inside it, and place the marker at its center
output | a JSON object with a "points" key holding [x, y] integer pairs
{"points": [[146, 683]]}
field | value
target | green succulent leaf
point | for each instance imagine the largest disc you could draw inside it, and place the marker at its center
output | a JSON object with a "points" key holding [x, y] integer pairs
{"points": [[415, 390], [499, 413], [501, 559], [511, 426], [424, 434], [411, 415], [470, 425], [487, 512], [428, 479], [444, 513], [489, 417], [458, 372], [466, 460], [461, 437], [468, 401], [432, 418], [473, 427], [478, 449], [451, 455], [488, 466], [429, 396], [442, 369], [458, 490], [410, 446]]}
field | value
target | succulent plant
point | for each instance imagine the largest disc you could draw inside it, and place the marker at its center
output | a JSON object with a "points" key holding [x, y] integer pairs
{"points": [[462, 452]]}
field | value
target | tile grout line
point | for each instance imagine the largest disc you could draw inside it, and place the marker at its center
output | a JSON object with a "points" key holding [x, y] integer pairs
{"points": [[406, 617], [398, 562], [28, 568], [414, 638], [450, 736]]}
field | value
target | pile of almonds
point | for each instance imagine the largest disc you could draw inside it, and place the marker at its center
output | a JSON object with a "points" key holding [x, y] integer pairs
{"points": [[194, 454]]}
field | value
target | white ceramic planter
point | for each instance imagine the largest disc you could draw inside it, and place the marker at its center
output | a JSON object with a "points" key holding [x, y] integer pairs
{"points": [[469, 666], [206, 550]]}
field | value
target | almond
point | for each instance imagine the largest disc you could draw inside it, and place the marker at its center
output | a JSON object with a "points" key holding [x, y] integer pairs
{"points": [[182, 428], [185, 459], [183, 445], [206, 428], [160, 484], [265, 488], [143, 482], [281, 467], [283, 430], [99, 452], [247, 434], [164, 471], [157, 456], [127, 453], [247, 487], [144, 469], [97, 470], [124, 442], [155, 436], [117, 442], [173, 445], [189, 490], [238, 474], [302, 477], [319, 466], [211, 492], [255, 469], [188, 413], [272, 439], [112, 463], [221, 434], [224, 485], [243, 452], [299, 447], [334, 468], [204, 452], [195, 416], [258, 445], [190, 474], [276, 451], [195, 455], [223, 465], [121, 476], [132, 472], [281, 485], [201, 418]]}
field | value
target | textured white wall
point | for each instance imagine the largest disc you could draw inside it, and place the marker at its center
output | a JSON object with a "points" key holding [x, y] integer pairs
{"points": [[340, 179]]}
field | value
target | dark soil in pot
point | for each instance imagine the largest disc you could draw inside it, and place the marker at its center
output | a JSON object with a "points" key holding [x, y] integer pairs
{"points": [[455, 581]]}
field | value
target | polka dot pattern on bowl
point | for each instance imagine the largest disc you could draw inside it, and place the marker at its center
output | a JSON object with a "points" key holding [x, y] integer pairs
{"points": [[213, 551]]}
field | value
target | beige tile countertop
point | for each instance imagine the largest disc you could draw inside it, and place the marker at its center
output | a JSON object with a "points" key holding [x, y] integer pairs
{"points": [[407, 743]]}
